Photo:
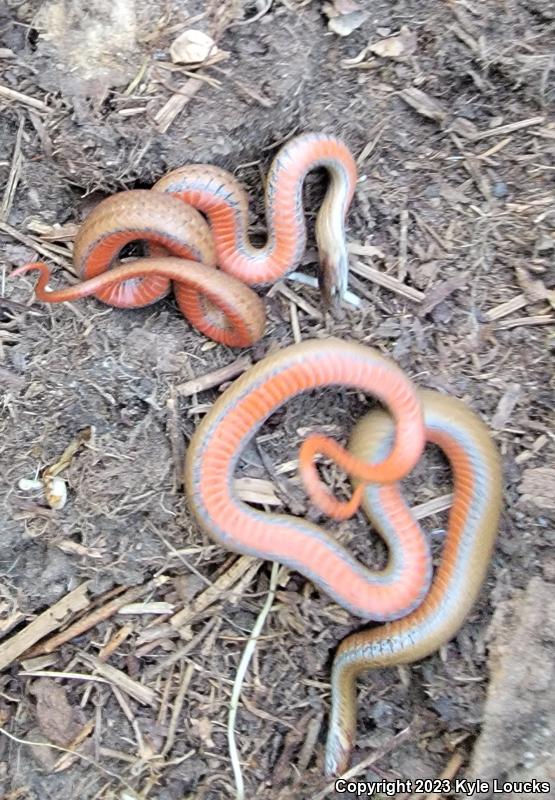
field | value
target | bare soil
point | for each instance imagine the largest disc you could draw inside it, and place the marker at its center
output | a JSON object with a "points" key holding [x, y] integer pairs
{"points": [[455, 200]]}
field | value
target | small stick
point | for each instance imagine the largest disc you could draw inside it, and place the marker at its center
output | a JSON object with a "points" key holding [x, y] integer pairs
{"points": [[92, 619], [504, 309], [67, 759], [210, 595], [295, 327], [118, 638], [177, 707], [13, 178], [215, 378], [453, 766], [50, 620], [387, 281], [143, 694], [175, 105], [509, 128], [181, 652], [403, 244], [292, 296], [19, 97]]}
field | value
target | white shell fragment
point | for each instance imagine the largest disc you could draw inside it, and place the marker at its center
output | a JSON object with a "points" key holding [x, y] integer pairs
{"points": [[53, 488], [192, 47]]}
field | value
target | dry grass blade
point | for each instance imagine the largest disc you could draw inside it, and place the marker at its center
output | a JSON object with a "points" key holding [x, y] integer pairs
{"points": [[13, 177], [239, 678], [48, 251], [177, 707]]}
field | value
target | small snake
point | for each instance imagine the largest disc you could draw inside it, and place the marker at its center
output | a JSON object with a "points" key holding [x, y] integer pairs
{"points": [[217, 194], [220, 438], [166, 221], [382, 449], [472, 528], [218, 305]]}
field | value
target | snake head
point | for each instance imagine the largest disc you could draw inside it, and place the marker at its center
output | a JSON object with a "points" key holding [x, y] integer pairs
{"points": [[333, 277], [338, 753]]}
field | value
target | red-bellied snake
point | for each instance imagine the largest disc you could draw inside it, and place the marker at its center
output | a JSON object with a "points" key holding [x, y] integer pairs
{"points": [[383, 448], [166, 220], [236, 416], [219, 305], [216, 193], [471, 532]]}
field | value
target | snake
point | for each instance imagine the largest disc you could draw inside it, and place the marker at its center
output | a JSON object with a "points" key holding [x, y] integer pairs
{"points": [[223, 200], [167, 220], [217, 304], [471, 532], [235, 417], [420, 613]]}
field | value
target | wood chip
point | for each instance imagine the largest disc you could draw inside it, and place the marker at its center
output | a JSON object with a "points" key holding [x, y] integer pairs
{"points": [[96, 616], [441, 291], [388, 282], [506, 406], [50, 620], [142, 694], [424, 104], [519, 322], [256, 490], [175, 105], [215, 378], [504, 309]]}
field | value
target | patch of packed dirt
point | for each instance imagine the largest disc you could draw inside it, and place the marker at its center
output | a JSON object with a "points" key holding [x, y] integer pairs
{"points": [[448, 109]]}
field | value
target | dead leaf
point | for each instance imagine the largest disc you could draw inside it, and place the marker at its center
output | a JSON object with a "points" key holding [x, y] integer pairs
{"points": [[400, 46], [453, 195], [203, 729], [344, 16], [423, 103], [192, 47], [59, 721], [506, 406], [535, 290], [441, 291]]}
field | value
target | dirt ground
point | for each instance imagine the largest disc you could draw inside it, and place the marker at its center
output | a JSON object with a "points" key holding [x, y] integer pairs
{"points": [[452, 127]]}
